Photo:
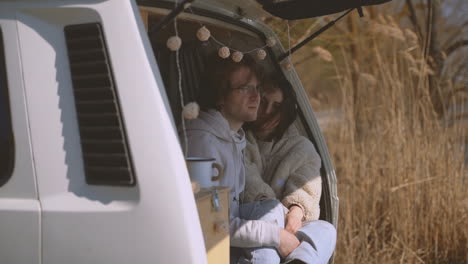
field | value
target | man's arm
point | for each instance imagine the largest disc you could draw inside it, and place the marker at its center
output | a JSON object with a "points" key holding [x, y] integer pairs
{"points": [[244, 233], [258, 233], [253, 233]]}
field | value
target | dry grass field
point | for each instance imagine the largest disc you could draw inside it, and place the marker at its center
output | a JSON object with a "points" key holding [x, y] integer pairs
{"points": [[402, 182]]}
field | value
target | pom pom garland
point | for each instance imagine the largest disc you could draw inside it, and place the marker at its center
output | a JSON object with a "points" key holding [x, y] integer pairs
{"points": [[174, 43], [237, 56], [203, 34], [224, 52], [191, 110]]}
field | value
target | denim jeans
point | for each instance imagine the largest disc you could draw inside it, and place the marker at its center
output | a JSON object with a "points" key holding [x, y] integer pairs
{"points": [[318, 238]]}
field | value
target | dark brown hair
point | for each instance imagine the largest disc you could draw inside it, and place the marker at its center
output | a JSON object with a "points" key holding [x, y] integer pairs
{"points": [[216, 80], [288, 108]]}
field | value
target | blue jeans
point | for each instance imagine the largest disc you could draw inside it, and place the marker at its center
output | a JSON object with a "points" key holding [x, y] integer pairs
{"points": [[318, 237]]}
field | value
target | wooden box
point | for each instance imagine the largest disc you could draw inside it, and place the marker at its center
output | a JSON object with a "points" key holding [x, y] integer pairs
{"points": [[213, 210]]}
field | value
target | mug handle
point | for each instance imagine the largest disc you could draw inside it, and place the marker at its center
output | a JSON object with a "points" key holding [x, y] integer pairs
{"points": [[220, 172]]}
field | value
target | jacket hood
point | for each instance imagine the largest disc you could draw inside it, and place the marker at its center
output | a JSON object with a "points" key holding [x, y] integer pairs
{"points": [[213, 122]]}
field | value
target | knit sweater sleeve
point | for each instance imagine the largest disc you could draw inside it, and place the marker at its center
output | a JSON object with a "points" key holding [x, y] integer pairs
{"points": [[255, 187], [304, 191], [304, 185]]}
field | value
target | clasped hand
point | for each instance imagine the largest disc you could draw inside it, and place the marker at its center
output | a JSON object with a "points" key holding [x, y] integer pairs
{"points": [[288, 241]]}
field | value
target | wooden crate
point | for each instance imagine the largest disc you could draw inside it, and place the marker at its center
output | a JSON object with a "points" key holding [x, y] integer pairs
{"points": [[215, 222]]}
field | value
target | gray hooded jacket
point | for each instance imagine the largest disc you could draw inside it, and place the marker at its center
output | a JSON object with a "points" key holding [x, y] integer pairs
{"points": [[210, 136]]}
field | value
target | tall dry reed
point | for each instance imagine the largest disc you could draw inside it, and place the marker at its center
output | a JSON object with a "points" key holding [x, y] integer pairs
{"points": [[402, 183]]}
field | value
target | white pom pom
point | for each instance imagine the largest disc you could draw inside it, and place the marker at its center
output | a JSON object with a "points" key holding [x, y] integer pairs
{"points": [[237, 56], [191, 110], [203, 34], [174, 43], [271, 41], [224, 52], [261, 54]]}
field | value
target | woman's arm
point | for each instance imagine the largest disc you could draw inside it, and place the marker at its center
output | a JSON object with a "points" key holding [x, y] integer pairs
{"points": [[255, 188], [303, 186], [303, 189]]}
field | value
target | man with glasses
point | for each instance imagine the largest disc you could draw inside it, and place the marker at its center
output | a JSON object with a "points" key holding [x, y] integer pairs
{"points": [[230, 96]]}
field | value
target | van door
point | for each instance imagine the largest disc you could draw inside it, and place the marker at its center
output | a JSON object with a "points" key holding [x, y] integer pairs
{"points": [[19, 205]]}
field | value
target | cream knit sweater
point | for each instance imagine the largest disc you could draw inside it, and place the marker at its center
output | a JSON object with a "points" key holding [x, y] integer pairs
{"points": [[288, 170]]}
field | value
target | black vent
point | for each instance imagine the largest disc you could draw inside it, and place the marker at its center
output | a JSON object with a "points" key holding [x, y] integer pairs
{"points": [[106, 156]]}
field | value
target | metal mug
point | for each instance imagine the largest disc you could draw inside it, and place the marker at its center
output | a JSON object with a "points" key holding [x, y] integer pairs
{"points": [[201, 171]]}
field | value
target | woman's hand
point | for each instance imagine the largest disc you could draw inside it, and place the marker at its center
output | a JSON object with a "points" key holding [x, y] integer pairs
{"points": [[288, 243], [294, 219]]}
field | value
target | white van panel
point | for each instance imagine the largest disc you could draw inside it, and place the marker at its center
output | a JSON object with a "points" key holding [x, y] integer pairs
{"points": [[19, 231], [155, 221], [19, 206]]}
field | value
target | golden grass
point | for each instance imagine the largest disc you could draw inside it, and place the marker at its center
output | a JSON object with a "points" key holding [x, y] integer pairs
{"points": [[401, 179]]}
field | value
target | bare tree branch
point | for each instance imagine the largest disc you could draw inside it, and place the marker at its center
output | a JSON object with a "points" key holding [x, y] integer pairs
{"points": [[429, 23], [414, 18], [455, 46]]}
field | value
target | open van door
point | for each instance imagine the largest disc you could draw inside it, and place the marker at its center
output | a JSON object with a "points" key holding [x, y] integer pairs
{"points": [[299, 9]]}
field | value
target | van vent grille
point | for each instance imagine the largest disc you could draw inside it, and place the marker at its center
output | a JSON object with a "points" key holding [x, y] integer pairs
{"points": [[104, 146]]}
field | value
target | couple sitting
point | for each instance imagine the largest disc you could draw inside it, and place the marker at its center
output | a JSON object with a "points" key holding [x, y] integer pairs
{"points": [[274, 197]]}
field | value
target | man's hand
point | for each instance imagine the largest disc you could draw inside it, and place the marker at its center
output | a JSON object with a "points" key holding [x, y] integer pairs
{"points": [[288, 243], [294, 219]]}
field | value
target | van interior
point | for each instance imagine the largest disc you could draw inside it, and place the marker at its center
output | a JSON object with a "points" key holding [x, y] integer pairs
{"points": [[193, 56]]}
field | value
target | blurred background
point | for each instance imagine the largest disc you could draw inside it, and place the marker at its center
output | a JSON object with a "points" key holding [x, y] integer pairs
{"points": [[390, 91]]}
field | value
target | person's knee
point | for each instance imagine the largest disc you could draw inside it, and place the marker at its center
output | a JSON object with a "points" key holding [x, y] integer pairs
{"points": [[318, 232], [329, 231]]}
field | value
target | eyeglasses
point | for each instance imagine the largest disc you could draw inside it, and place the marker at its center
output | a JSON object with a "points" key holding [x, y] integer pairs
{"points": [[249, 89]]}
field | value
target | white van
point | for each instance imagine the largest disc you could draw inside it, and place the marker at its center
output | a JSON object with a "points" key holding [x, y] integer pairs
{"points": [[91, 169]]}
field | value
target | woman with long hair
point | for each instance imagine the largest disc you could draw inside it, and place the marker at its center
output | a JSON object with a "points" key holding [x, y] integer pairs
{"points": [[281, 165]]}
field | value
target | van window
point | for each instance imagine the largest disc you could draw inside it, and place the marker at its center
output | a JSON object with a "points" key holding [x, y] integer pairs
{"points": [[6, 134]]}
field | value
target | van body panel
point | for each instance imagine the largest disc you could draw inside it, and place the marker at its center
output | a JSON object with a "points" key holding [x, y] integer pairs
{"points": [[19, 206], [20, 231], [151, 222]]}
